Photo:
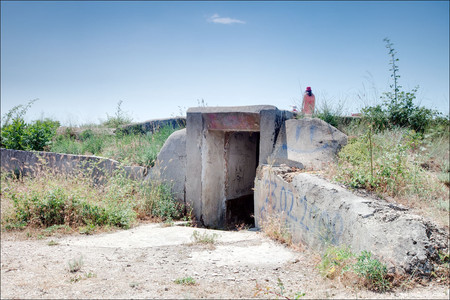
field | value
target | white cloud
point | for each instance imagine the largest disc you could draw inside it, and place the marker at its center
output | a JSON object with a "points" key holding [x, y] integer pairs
{"points": [[221, 20]]}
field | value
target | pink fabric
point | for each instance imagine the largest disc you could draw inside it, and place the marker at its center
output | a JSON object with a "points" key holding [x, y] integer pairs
{"points": [[308, 104]]}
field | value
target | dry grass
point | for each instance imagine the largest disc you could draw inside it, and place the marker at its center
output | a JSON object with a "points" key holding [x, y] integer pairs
{"points": [[274, 226], [406, 170], [51, 204]]}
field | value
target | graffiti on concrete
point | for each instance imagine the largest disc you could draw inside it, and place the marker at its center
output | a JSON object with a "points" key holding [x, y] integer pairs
{"points": [[301, 137], [328, 226]]}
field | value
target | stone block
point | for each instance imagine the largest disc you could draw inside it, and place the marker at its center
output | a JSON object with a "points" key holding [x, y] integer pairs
{"points": [[307, 143]]}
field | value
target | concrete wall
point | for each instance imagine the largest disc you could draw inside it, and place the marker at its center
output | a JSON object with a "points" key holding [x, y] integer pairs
{"points": [[319, 213], [153, 125], [30, 163], [170, 165]]}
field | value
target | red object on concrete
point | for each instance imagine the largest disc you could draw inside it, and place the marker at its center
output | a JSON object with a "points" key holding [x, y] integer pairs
{"points": [[309, 102]]}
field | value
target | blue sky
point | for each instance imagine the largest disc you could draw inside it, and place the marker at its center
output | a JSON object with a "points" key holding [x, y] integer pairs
{"points": [[81, 58]]}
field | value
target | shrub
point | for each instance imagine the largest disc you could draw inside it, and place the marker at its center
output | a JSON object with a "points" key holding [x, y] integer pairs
{"points": [[372, 271], [19, 135], [341, 262], [120, 117], [398, 108], [379, 162]]}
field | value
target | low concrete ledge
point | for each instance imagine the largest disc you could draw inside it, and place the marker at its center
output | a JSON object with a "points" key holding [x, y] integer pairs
{"points": [[319, 213], [30, 163]]}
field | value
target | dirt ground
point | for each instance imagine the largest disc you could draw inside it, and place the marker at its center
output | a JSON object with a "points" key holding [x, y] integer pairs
{"points": [[145, 262]]}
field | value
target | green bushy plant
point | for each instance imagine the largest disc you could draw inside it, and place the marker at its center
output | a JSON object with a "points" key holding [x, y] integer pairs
{"points": [[185, 281], [19, 135], [55, 207], [373, 271], [120, 117], [398, 108], [340, 262]]}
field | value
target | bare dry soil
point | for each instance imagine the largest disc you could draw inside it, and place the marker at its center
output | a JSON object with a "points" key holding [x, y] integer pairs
{"points": [[145, 262]]}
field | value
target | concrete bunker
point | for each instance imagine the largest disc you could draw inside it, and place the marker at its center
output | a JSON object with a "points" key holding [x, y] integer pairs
{"points": [[224, 146]]}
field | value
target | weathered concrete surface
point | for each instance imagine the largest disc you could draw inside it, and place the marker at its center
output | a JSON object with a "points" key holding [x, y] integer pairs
{"points": [[307, 143], [170, 165], [153, 125], [241, 162], [319, 213], [31, 163], [223, 146]]}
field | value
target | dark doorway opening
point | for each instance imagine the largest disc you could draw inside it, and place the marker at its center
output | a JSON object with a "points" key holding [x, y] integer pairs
{"points": [[239, 213], [242, 159]]}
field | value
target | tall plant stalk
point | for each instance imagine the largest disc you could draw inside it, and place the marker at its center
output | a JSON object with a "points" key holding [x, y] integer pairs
{"points": [[394, 67]]}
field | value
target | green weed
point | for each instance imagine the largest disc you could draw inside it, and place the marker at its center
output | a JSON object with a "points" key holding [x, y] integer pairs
{"points": [[185, 281], [120, 117], [335, 261], [372, 271], [385, 163], [52, 243], [342, 263], [204, 238], [75, 264], [279, 292]]}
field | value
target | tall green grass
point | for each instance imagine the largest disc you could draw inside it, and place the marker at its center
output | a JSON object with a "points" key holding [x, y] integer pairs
{"points": [[130, 149], [409, 167]]}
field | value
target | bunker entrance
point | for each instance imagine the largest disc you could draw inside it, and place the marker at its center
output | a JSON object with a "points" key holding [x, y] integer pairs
{"points": [[224, 146], [239, 212], [241, 161]]}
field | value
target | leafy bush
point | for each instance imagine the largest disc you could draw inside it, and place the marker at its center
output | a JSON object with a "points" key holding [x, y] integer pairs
{"points": [[398, 108], [341, 262], [19, 135], [400, 112], [161, 203]]}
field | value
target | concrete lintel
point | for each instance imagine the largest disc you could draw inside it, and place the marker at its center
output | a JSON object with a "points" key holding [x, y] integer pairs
{"points": [[231, 109], [238, 121]]}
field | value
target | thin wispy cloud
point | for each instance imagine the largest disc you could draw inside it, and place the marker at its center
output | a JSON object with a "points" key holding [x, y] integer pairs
{"points": [[224, 20]]}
